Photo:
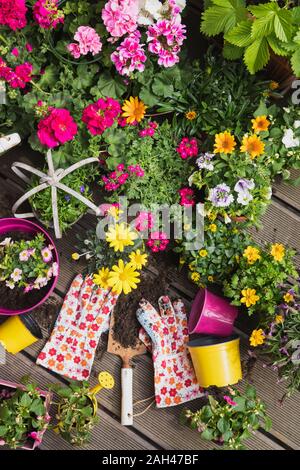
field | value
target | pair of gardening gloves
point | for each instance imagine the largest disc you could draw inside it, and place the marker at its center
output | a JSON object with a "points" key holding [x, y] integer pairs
{"points": [[166, 336], [84, 316]]}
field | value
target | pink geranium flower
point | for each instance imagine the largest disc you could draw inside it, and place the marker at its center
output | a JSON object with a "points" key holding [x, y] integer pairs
{"points": [[186, 197], [120, 17], [165, 39], [101, 115], [158, 241], [88, 41], [47, 14], [13, 13], [130, 55], [21, 76], [187, 148], [229, 400], [58, 127]]}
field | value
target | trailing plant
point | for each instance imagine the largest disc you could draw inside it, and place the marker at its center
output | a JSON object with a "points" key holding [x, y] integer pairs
{"points": [[254, 32], [229, 418]]}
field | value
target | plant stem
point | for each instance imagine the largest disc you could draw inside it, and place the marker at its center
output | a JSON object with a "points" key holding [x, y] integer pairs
{"points": [[3, 39], [158, 114], [39, 88]]}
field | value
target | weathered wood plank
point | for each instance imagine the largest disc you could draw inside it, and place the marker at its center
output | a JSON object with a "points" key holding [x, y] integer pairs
{"points": [[287, 192]]}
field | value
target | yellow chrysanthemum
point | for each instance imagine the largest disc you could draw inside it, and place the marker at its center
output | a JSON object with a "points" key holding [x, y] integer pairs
{"points": [[138, 259], [195, 277], [123, 278], [277, 251], [134, 110], [260, 124], [257, 337], [75, 256], [288, 297], [203, 253], [279, 319], [253, 145], [213, 228], [252, 254], [210, 278], [119, 236], [101, 279], [224, 142], [192, 267], [274, 85], [191, 115], [249, 297], [212, 216]]}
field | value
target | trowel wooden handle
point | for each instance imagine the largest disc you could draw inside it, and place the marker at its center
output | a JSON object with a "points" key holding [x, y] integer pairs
{"points": [[127, 401]]}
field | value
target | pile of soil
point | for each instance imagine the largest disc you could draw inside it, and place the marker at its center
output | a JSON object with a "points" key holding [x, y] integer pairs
{"points": [[16, 299], [6, 203]]}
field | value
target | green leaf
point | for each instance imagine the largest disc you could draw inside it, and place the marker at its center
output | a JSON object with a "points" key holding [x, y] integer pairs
{"points": [[260, 11], [49, 78], [162, 88], [257, 55], [109, 86], [240, 404], [295, 15], [208, 434], [261, 110], [268, 423], [240, 35], [277, 46], [250, 392], [25, 400], [223, 425], [295, 61], [282, 25], [64, 392], [231, 52], [263, 26], [222, 16], [3, 431], [148, 98]]}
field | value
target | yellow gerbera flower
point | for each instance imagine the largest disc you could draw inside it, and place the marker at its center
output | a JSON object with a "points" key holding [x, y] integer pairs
{"points": [[101, 278], [260, 124], [191, 115], [288, 297], [123, 278], [257, 337], [224, 142], [274, 85], [277, 251], [195, 277], [134, 110], [138, 259], [249, 297], [75, 256], [253, 145], [212, 228], [252, 254], [279, 319], [210, 278], [120, 235], [203, 253]]}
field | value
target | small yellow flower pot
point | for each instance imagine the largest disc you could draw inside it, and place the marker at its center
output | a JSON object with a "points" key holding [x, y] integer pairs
{"points": [[216, 360], [19, 332]]}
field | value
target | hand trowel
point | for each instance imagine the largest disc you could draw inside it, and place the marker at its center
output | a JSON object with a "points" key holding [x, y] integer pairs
{"points": [[126, 354]]}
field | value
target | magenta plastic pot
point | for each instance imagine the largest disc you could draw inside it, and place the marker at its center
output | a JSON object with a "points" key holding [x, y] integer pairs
{"points": [[23, 225], [212, 315]]}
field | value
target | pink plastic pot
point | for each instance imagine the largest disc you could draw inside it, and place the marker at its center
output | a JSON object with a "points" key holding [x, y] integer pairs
{"points": [[31, 445], [211, 315], [23, 225]]}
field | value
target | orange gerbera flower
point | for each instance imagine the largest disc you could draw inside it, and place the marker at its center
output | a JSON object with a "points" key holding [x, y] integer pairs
{"points": [[260, 124], [224, 142], [252, 145], [134, 110]]}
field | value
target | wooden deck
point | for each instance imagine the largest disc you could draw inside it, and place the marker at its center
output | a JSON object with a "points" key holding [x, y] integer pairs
{"points": [[158, 429]]}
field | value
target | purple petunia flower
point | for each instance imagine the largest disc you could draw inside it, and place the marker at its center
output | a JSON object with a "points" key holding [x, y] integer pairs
{"points": [[67, 198], [220, 196], [82, 189], [204, 161]]}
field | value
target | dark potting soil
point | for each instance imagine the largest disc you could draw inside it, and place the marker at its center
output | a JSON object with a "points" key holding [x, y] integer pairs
{"points": [[6, 202], [16, 299]]}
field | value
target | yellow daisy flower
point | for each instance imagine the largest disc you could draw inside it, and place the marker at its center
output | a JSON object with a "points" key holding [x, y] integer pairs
{"points": [[101, 278], [274, 85], [288, 297], [253, 145], [191, 115], [257, 337], [134, 110], [203, 253], [195, 277], [210, 278], [260, 123], [224, 142], [191, 267], [75, 256], [138, 259], [277, 251], [123, 278], [212, 228], [249, 297], [279, 319], [119, 236], [252, 254]]}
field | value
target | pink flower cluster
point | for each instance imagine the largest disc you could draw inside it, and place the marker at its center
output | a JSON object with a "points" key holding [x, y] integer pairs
{"points": [[88, 40], [187, 148], [17, 78], [47, 14], [120, 17], [58, 127], [165, 39], [13, 13], [187, 197], [101, 115], [158, 241], [130, 55], [144, 221], [117, 178], [149, 131]]}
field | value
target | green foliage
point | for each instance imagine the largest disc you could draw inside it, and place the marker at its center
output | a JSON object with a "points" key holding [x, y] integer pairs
{"points": [[227, 424], [256, 29], [21, 412], [76, 415]]}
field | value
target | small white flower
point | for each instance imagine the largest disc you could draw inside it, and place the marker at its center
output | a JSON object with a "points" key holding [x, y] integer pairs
{"points": [[24, 255], [6, 242], [10, 284], [244, 198], [296, 124], [41, 281], [289, 140], [16, 274]]}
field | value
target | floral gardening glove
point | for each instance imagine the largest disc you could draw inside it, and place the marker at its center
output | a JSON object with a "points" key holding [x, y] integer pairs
{"points": [[84, 316], [174, 376]]}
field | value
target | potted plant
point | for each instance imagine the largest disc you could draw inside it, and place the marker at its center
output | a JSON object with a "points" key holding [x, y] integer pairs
{"points": [[29, 266], [229, 417], [24, 414]]}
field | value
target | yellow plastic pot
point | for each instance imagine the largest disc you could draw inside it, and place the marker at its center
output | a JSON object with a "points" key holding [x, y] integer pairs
{"points": [[19, 332], [216, 360]]}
